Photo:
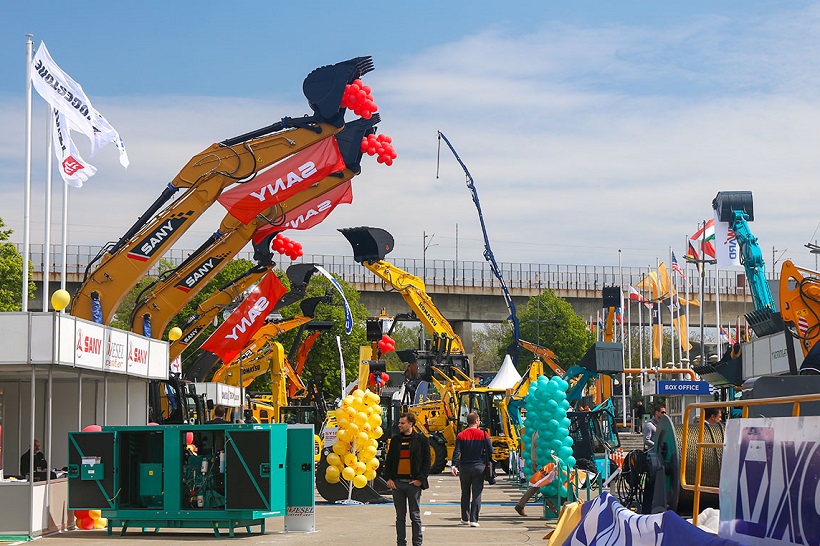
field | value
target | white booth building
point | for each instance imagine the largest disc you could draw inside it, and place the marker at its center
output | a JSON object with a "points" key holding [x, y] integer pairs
{"points": [[59, 374]]}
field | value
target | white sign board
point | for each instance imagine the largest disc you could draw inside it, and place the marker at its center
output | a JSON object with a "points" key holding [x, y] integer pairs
{"points": [[769, 481], [137, 355], [89, 345], [158, 364], [116, 348]]}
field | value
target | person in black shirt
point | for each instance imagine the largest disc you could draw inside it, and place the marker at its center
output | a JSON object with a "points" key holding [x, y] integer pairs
{"points": [[219, 416], [40, 463], [406, 469]]}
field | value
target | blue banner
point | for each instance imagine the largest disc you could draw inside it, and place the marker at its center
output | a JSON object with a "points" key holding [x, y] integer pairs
{"points": [[683, 387], [335, 283]]}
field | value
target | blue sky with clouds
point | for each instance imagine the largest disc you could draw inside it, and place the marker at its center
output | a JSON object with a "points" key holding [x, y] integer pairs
{"points": [[588, 126]]}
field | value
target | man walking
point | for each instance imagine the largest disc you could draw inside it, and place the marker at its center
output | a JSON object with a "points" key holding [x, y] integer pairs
{"points": [[472, 454], [406, 469], [649, 429]]}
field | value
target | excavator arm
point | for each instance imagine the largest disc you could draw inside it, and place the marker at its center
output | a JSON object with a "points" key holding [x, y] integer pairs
{"points": [[370, 245], [159, 303], [800, 303], [545, 355], [205, 176]]}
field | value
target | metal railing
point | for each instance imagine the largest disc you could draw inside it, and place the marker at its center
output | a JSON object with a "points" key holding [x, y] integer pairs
{"points": [[697, 488], [477, 274]]}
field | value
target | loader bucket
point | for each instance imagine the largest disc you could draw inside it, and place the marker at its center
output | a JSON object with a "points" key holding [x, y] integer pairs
{"points": [[350, 141], [325, 86], [726, 202], [369, 244]]}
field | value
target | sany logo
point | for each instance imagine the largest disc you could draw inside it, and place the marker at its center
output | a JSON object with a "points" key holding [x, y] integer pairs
{"points": [[151, 242], [273, 188], [88, 344], [249, 319], [71, 166], [137, 355], [310, 213], [198, 274]]}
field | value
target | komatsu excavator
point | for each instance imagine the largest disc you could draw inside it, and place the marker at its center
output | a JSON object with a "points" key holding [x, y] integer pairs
{"points": [[124, 263], [160, 302]]}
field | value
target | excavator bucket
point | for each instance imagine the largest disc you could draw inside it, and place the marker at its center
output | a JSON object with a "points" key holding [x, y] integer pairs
{"points": [[369, 244], [726, 202], [325, 86], [350, 140]]}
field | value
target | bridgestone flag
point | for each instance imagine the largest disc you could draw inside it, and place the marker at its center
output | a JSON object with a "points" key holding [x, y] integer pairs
{"points": [[73, 168], [233, 334], [67, 96], [283, 180]]}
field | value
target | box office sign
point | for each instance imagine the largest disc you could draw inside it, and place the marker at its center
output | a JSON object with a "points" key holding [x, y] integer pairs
{"points": [[769, 481]]}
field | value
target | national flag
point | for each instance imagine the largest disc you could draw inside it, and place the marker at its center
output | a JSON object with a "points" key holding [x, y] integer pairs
{"points": [[676, 266], [232, 335], [283, 180], [705, 237], [634, 295], [693, 256], [726, 336], [67, 96]]}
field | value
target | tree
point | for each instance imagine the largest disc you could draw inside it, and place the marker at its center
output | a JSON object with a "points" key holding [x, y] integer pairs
{"points": [[487, 345], [550, 321], [11, 273], [122, 317]]}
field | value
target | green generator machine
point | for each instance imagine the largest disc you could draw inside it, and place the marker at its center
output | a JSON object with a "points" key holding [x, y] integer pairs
{"points": [[221, 476]]}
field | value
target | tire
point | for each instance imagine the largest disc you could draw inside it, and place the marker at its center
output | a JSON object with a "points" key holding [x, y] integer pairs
{"points": [[438, 455]]}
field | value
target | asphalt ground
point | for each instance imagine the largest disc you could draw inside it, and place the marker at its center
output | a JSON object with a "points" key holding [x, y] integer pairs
{"points": [[343, 525]]}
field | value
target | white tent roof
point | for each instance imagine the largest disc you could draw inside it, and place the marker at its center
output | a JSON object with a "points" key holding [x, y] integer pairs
{"points": [[506, 377]]}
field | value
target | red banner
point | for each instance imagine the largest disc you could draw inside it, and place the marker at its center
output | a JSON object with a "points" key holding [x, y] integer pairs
{"points": [[283, 180], [311, 213], [233, 334]]}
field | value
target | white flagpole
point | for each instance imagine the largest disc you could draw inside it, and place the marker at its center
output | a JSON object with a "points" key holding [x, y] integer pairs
{"points": [[717, 310], [342, 363], [27, 191], [660, 313], [64, 272], [47, 241], [640, 341], [672, 296], [688, 283], [621, 328]]}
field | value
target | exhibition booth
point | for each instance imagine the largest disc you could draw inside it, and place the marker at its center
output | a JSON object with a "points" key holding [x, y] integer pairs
{"points": [[59, 374]]}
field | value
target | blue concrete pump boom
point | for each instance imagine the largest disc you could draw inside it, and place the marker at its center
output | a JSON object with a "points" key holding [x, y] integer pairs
{"points": [[513, 348]]}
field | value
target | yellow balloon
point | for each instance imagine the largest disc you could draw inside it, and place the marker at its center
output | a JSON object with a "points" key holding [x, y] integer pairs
{"points": [[370, 475], [358, 393], [344, 435], [360, 468], [374, 443], [100, 523], [360, 418], [373, 464], [332, 473], [351, 412], [378, 432], [333, 459], [331, 479], [375, 420], [60, 299], [350, 459], [95, 514], [340, 448], [348, 473], [353, 428], [348, 400], [342, 419], [175, 333], [362, 438], [369, 453], [359, 481]]}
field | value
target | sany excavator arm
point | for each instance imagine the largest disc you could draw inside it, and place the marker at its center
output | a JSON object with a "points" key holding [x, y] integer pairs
{"points": [[205, 176], [544, 354], [226, 298], [161, 302], [800, 303], [370, 245]]}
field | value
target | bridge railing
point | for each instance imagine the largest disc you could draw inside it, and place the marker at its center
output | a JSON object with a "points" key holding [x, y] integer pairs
{"points": [[476, 274]]}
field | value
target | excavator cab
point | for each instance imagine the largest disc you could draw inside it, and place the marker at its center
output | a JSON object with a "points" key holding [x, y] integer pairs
{"points": [[369, 244]]}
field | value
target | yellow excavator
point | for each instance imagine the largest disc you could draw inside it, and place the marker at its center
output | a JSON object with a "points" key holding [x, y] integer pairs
{"points": [[444, 364], [161, 301], [124, 263]]}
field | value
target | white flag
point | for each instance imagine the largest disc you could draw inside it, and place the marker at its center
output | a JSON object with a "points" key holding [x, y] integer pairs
{"points": [[67, 96], [727, 251], [73, 168]]}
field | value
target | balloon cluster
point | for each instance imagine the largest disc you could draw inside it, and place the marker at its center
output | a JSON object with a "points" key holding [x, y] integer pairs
{"points": [[358, 97], [189, 443], [354, 454], [287, 246], [386, 344], [378, 380], [381, 146], [547, 407], [90, 519]]}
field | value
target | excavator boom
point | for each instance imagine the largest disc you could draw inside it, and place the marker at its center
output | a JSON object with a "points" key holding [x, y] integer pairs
{"points": [[205, 176]]}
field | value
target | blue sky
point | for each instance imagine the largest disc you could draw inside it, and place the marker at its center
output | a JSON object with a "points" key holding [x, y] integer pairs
{"points": [[588, 126]]}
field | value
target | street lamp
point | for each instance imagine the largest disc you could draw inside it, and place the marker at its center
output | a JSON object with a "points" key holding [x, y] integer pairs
{"points": [[425, 246]]}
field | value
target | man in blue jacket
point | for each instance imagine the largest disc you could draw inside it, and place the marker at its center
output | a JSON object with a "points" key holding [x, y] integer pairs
{"points": [[406, 469], [473, 452]]}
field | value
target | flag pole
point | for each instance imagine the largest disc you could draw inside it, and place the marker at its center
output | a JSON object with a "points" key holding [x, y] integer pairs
{"points": [[717, 310], [621, 328], [64, 272], [688, 285], [27, 190], [672, 295], [47, 239]]}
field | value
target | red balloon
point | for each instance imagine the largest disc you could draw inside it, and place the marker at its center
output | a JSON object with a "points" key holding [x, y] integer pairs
{"points": [[385, 377], [85, 523], [79, 514], [92, 428], [189, 437]]}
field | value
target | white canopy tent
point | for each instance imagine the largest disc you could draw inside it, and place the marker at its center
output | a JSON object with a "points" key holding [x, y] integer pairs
{"points": [[507, 376]]}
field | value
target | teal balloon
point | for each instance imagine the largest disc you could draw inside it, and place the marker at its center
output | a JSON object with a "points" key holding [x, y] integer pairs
{"points": [[551, 489], [552, 406], [565, 422], [552, 426], [564, 453], [562, 432], [555, 444], [571, 461], [568, 441]]}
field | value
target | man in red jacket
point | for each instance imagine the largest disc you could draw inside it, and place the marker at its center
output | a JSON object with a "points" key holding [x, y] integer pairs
{"points": [[473, 452]]}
